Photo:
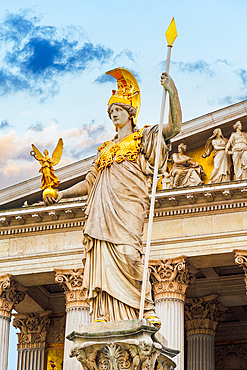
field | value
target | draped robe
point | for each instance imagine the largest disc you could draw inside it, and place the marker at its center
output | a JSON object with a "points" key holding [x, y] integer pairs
{"points": [[238, 141], [118, 200]]}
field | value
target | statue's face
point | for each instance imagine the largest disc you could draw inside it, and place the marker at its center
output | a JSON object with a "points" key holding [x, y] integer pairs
{"points": [[239, 126], [181, 148], [119, 116], [217, 132]]}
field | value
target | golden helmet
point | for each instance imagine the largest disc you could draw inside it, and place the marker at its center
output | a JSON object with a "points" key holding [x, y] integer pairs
{"points": [[128, 90]]}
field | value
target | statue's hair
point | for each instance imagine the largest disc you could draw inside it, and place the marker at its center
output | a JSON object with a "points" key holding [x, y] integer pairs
{"points": [[208, 145], [236, 125], [129, 108], [183, 147]]}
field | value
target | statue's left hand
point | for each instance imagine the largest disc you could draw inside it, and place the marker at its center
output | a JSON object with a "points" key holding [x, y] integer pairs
{"points": [[50, 200], [168, 83]]}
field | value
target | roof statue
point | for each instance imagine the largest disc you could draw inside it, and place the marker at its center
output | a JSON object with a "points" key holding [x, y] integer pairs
{"points": [[49, 180], [238, 145], [222, 160], [185, 172]]}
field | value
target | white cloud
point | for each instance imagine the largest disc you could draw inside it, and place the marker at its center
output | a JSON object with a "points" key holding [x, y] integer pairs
{"points": [[16, 164]]}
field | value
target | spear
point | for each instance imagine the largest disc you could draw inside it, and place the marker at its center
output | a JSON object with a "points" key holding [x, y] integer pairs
{"points": [[171, 35]]}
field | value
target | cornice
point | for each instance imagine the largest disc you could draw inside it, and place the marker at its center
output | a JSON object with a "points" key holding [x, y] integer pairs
{"points": [[69, 214]]}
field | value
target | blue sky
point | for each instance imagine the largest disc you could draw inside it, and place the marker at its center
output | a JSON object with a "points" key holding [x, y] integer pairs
{"points": [[54, 54]]}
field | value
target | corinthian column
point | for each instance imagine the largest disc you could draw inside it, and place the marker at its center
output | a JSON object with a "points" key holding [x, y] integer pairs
{"points": [[32, 339], [10, 293], [77, 309], [241, 260], [170, 280], [202, 316]]}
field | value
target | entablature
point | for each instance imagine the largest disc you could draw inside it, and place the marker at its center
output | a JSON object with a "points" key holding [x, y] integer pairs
{"points": [[69, 214], [205, 198]]}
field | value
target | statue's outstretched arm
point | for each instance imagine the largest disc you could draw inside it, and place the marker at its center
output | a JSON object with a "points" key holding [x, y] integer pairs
{"points": [[175, 114], [78, 190]]}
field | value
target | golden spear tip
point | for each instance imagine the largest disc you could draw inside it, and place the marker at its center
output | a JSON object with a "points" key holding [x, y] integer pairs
{"points": [[171, 33]]}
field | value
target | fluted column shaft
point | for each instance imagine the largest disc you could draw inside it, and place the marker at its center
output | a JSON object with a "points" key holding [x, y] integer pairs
{"points": [[4, 341], [77, 309], [201, 354], [171, 313], [31, 359], [170, 279], [202, 316], [75, 317]]}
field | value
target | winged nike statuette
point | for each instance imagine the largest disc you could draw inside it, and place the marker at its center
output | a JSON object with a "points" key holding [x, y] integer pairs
{"points": [[49, 180]]}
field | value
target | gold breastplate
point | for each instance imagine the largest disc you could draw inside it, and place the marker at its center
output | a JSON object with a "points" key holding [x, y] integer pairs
{"points": [[127, 148]]}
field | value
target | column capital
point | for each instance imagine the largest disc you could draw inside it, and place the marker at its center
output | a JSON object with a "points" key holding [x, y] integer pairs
{"points": [[11, 293], [170, 278], [72, 282], [241, 260], [202, 315], [33, 329]]}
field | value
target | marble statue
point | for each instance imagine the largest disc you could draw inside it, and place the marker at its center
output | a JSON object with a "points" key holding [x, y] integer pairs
{"points": [[238, 145], [184, 171], [49, 180], [118, 200], [222, 160]]}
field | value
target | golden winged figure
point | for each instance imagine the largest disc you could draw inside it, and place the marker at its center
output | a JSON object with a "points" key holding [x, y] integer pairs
{"points": [[49, 180]]}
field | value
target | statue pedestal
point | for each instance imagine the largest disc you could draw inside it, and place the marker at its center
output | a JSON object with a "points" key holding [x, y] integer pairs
{"points": [[125, 345]]}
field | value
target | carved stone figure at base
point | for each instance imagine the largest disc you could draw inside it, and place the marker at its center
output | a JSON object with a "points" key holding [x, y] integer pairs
{"points": [[238, 145], [118, 200], [222, 161], [184, 171]]}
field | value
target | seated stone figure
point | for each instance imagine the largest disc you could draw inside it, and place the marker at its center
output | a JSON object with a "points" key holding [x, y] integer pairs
{"points": [[184, 171]]}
